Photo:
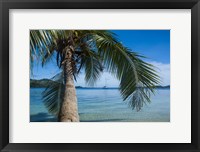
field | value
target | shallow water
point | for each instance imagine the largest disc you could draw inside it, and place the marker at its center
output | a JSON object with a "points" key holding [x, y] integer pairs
{"points": [[106, 105]]}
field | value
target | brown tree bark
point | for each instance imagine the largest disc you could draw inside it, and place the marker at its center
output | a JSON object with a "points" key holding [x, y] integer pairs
{"points": [[69, 109]]}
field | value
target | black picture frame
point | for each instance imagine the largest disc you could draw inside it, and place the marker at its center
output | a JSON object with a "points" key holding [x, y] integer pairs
{"points": [[5, 5]]}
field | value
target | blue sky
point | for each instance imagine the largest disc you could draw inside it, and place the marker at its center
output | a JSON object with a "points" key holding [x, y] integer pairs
{"points": [[153, 44]]}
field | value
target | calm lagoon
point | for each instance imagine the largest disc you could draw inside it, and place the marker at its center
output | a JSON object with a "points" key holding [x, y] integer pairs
{"points": [[105, 105]]}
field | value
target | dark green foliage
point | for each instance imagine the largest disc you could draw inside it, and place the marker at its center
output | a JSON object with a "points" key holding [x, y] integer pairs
{"points": [[53, 94], [42, 83]]}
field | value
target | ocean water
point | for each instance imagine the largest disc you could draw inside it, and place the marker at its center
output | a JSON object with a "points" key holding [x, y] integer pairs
{"points": [[106, 105]]}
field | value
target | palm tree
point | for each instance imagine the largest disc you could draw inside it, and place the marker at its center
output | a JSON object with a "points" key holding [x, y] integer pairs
{"points": [[90, 51]]}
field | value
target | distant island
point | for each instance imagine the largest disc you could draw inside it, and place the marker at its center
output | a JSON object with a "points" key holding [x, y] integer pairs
{"points": [[163, 87], [43, 83]]}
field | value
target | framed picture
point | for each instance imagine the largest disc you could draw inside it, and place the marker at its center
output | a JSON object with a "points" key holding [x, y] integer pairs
{"points": [[104, 75]]}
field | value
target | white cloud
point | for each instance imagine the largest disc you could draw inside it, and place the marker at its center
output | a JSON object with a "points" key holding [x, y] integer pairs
{"points": [[110, 81], [163, 71]]}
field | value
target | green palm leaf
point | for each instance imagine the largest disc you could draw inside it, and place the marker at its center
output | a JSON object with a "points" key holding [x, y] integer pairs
{"points": [[137, 78], [91, 62], [53, 94]]}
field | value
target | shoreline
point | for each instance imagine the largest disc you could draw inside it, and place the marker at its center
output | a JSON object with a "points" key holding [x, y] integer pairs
{"points": [[50, 118]]}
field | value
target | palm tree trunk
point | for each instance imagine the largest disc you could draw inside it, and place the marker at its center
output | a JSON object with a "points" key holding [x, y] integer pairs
{"points": [[69, 109]]}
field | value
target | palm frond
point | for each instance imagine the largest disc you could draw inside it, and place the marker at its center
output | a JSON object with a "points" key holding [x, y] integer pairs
{"points": [[91, 62], [53, 94], [138, 98], [133, 73], [93, 68], [48, 55], [39, 40]]}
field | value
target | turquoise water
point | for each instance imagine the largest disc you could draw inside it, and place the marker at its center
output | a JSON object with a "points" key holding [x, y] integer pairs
{"points": [[106, 105]]}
